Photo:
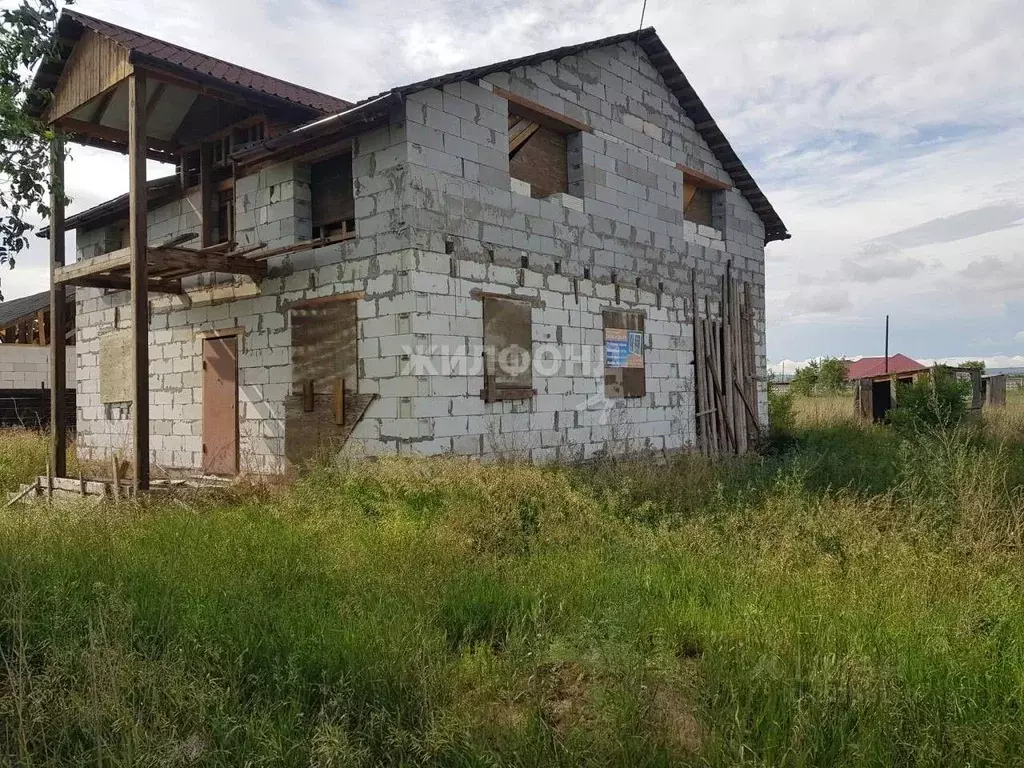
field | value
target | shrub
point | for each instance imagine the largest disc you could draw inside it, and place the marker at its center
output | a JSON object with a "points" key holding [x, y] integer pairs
{"points": [[934, 400], [781, 417]]}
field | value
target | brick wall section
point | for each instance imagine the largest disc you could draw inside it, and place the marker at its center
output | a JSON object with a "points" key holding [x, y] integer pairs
{"points": [[568, 419], [265, 373], [624, 223], [175, 218], [23, 366], [273, 206]]}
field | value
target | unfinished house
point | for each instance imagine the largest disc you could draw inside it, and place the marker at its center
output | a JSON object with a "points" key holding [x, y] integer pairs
{"points": [[551, 257]]}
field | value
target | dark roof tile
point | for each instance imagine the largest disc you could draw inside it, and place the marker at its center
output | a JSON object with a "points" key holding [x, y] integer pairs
{"points": [[176, 55], [13, 310]]}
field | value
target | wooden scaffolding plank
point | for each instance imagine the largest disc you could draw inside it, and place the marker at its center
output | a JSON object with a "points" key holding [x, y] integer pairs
{"points": [[726, 385], [107, 262], [739, 419], [700, 410]]}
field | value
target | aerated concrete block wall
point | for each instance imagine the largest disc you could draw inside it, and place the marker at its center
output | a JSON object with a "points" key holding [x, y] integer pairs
{"points": [[622, 226], [437, 222], [177, 217], [23, 366], [259, 314]]}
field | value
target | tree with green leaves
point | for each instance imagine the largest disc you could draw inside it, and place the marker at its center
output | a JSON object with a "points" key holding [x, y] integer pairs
{"points": [[974, 365], [27, 37], [831, 375], [805, 380]]}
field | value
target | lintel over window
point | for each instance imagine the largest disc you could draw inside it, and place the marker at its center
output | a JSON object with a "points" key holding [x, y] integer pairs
{"points": [[537, 147], [699, 192], [624, 359], [508, 344]]}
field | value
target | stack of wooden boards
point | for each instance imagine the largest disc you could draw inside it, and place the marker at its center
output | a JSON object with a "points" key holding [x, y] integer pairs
{"points": [[725, 369]]}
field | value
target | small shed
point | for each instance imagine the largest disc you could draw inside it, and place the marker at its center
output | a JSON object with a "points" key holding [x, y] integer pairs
{"points": [[993, 389], [875, 380], [874, 396]]}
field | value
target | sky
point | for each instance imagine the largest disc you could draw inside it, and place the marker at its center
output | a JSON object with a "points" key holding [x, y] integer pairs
{"points": [[889, 135]]}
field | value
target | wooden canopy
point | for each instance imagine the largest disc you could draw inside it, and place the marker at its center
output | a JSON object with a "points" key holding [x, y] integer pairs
{"points": [[121, 90]]}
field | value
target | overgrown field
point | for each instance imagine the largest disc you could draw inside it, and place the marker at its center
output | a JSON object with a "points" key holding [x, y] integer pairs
{"points": [[853, 598]]}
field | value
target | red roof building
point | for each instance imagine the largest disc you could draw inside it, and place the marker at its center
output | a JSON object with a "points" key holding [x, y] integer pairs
{"points": [[870, 367]]}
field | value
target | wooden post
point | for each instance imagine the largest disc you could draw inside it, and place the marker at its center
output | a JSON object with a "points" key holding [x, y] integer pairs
{"points": [[58, 308], [206, 195], [339, 402], [138, 237], [700, 439]]}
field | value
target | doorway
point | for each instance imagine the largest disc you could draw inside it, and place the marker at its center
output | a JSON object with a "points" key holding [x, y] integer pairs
{"points": [[881, 398], [220, 405]]}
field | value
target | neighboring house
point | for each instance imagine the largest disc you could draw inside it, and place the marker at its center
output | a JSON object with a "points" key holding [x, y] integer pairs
{"points": [[323, 273], [25, 360]]}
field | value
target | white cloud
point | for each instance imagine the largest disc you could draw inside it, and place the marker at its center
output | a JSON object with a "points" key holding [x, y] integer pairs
{"points": [[860, 121]]}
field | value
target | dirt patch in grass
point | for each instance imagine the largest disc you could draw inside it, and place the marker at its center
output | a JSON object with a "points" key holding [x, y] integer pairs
{"points": [[564, 693], [677, 720]]}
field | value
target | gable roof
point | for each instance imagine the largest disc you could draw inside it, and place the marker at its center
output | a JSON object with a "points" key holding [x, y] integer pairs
{"points": [[365, 112], [148, 49], [869, 367], [15, 309]]}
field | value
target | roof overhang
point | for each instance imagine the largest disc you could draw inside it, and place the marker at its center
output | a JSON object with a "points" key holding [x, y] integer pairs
{"points": [[83, 91]]}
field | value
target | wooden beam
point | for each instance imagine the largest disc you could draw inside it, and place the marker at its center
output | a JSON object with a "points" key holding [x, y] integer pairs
{"points": [[113, 146], [182, 258], [164, 76], [101, 106], [322, 301], [541, 114], [306, 245], [154, 98], [58, 310], [123, 283], [520, 134], [137, 235], [702, 179], [115, 135], [108, 262]]}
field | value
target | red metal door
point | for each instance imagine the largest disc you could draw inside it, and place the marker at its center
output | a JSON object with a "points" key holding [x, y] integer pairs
{"points": [[220, 405]]}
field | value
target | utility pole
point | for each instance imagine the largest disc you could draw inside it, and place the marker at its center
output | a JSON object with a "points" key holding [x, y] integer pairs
{"points": [[886, 343]]}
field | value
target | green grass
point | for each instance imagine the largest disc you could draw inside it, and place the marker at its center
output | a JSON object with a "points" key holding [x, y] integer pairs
{"points": [[856, 600]]}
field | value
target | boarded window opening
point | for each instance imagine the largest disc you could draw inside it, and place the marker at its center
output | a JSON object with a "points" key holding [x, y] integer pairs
{"points": [[508, 345], [116, 367], [624, 358], [325, 347], [332, 196], [324, 407], [537, 155], [697, 203]]}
